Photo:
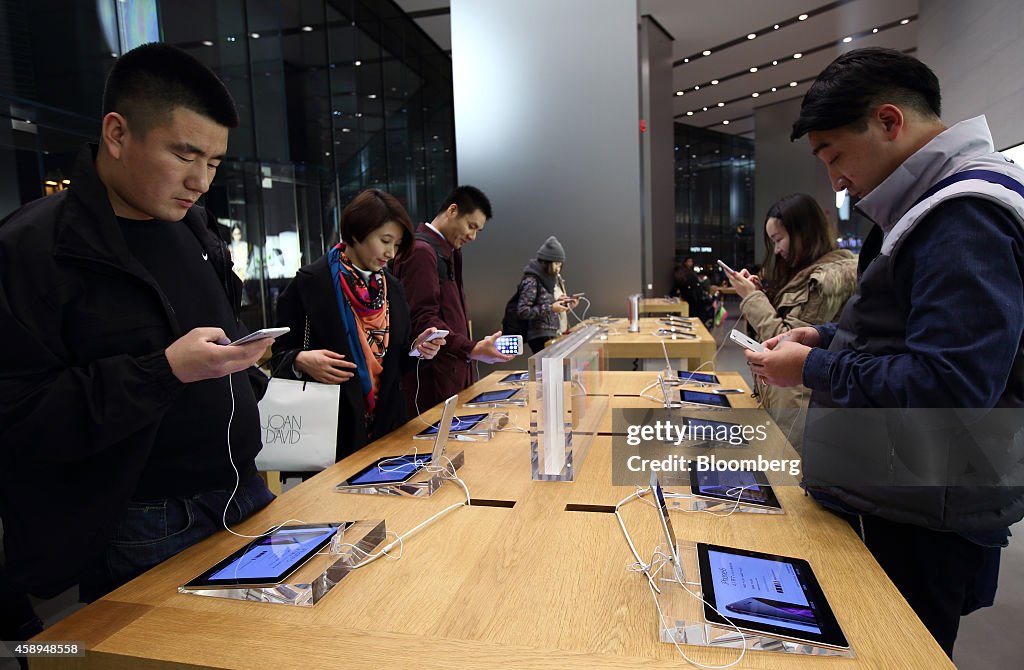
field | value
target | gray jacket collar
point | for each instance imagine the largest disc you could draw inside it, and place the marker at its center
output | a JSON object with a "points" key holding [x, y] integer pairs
{"points": [[941, 157]]}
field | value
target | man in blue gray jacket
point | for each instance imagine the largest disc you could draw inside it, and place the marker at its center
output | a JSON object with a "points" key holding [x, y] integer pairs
{"points": [[925, 458]]}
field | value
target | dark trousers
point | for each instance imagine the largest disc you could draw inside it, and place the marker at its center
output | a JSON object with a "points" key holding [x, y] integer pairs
{"points": [[150, 532], [18, 621], [537, 343], [939, 573]]}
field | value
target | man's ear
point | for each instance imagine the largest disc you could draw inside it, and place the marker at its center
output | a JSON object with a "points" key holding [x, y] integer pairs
{"points": [[113, 133], [452, 211], [891, 119]]}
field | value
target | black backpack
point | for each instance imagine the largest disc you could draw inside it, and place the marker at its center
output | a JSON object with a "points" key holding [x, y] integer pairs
{"points": [[444, 269], [511, 324]]}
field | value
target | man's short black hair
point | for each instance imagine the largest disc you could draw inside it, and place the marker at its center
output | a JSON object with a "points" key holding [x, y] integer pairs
{"points": [[147, 83], [852, 85], [468, 199]]}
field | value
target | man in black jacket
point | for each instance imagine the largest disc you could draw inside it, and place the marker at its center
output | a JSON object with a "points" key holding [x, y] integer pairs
{"points": [[129, 430]]}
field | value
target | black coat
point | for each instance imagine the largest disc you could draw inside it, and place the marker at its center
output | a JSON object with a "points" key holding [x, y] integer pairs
{"points": [[312, 293], [84, 382]]}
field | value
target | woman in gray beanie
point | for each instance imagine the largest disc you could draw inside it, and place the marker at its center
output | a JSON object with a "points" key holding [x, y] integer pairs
{"points": [[542, 300]]}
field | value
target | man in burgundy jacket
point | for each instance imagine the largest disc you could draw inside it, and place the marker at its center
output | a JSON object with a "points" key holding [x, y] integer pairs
{"points": [[432, 276]]}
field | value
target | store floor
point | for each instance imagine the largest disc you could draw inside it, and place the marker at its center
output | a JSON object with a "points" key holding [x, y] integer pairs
{"points": [[988, 638]]}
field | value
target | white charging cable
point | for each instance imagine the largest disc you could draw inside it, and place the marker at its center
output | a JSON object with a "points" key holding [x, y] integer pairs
{"points": [[651, 570]]}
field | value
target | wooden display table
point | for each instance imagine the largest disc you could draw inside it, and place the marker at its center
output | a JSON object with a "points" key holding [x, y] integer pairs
{"points": [[519, 580]]}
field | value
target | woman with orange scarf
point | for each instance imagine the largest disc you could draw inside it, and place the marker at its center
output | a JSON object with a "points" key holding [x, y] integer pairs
{"points": [[350, 321]]}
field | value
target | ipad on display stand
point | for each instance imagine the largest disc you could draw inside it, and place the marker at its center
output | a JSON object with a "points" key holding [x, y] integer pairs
{"points": [[406, 474], [760, 593]]}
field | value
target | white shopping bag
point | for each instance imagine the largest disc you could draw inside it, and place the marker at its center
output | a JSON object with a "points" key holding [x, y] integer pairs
{"points": [[299, 425]]}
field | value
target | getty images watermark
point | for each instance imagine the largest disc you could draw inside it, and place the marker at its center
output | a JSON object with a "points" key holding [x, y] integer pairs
{"points": [[680, 442]]}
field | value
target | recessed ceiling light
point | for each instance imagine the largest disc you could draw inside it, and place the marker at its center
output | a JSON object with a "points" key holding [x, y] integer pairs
{"points": [[754, 95], [705, 109], [373, 96], [802, 17], [904, 22], [798, 55], [689, 113], [776, 26], [726, 122], [358, 114], [874, 30], [327, 153], [792, 83], [679, 92], [775, 62], [686, 60], [358, 63], [751, 36], [232, 39], [346, 130], [847, 39], [696, 88], [721, 104], [207, 43], [255, 36], [706, 52], [753, 69], [714, 82], [307, 29], [774, 89]]}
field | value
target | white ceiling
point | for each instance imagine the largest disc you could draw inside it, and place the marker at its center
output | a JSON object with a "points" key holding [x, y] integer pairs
{"points": [[699, 25]]}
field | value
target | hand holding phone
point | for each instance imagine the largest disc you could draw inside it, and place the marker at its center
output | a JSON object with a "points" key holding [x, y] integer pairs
{"points": [[728, 270], [510, 345], [746, 342], [262, 334], [436, 335]]}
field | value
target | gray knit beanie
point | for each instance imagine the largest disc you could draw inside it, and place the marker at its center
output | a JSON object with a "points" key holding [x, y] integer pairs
{"points": [[551, 250]]}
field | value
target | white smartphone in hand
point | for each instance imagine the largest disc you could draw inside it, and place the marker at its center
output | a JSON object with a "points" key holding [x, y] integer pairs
{"points": [[436, 335], [745, 342], [510, 345], [262, 334], [725, 267]]}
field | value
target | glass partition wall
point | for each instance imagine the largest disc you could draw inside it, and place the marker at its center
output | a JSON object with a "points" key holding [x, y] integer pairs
{"points": [[334, 96]]}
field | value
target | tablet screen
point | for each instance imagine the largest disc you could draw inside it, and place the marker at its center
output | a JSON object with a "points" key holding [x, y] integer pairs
{"points": [[766, 593], [747, 486], [269, 559], [701, 377], [388, 470], [702, 398], [459, 423], [515, 378], [493, 396]]}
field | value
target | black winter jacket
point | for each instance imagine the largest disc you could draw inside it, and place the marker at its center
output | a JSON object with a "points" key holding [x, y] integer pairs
{"points": [[312, 293], [84, 380]]}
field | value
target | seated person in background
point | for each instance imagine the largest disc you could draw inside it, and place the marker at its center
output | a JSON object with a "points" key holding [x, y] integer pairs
{"points": [[805, 281], [359, 329], [117, 297], [542, 300], [688, 286]]}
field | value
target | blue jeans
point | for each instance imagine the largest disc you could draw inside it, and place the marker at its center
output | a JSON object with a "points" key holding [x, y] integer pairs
{"points": [[150, 532]]}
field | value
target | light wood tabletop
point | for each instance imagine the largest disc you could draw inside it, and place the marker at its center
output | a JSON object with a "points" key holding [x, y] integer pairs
{"points": [[533, 575], [664, 306], [647, 343]]}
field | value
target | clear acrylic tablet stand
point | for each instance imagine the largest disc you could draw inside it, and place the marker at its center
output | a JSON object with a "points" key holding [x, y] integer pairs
{"points": [[310, 583], [684, 623], [421, 485]]}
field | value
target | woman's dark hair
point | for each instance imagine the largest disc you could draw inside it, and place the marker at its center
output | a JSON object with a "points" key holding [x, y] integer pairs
{"points": [[547, 266], [370, 210], [810, 237]]}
